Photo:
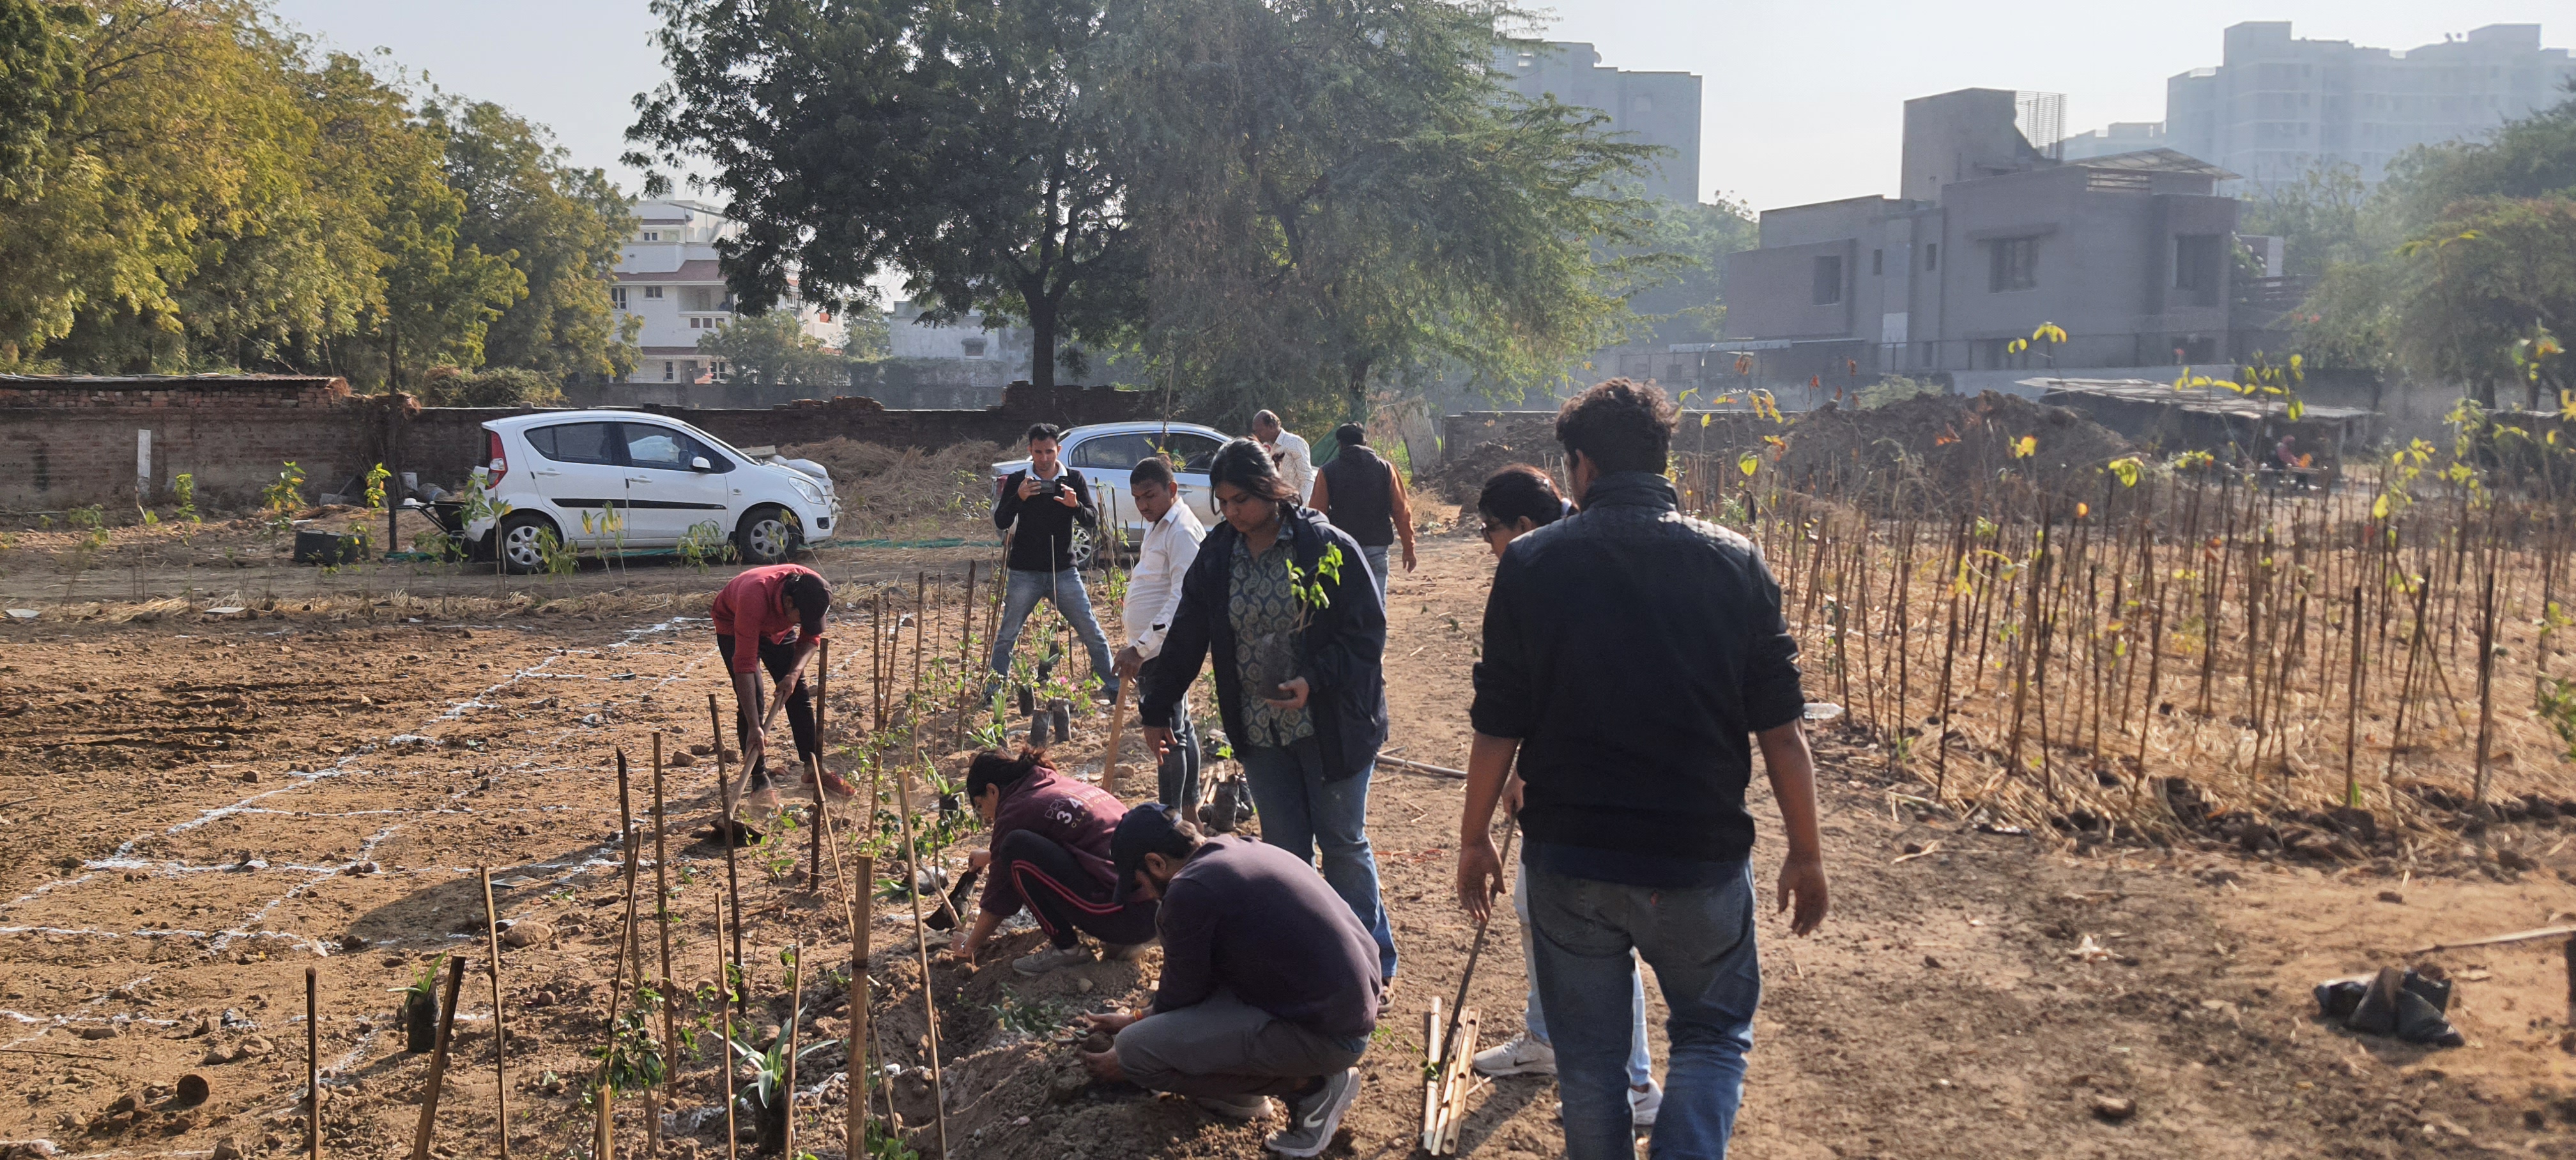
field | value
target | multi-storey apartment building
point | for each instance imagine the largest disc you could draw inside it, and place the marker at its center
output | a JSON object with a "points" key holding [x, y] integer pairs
{"points": [[2279, 106]]}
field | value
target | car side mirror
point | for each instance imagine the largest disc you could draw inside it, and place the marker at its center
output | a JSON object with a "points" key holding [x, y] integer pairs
{"points": [[700, 464]]}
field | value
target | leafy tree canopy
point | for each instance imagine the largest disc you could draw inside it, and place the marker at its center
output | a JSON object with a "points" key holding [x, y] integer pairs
{"points": [[960, 145]]}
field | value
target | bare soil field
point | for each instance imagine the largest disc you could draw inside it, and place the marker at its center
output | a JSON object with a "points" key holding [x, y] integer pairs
{"points": [[195, 810]]}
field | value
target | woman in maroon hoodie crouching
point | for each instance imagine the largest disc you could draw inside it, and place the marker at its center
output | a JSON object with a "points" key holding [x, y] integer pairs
{"points": [[1050, 853]]}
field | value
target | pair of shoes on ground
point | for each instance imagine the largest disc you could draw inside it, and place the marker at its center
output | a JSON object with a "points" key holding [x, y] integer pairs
{"points": [[1052, 957], [1527, 1055]]}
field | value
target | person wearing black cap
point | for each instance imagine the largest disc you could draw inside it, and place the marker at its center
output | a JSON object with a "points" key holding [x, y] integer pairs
{"points": [[1363, 494], [1050, 852], [772, 617], [1270, 985]]}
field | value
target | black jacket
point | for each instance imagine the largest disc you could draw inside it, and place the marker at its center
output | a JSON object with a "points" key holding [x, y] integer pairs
{"points": [[1633, 651], [1044, 541], [1341, 657]]}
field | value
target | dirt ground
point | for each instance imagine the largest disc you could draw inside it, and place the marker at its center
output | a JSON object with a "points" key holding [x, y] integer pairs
{"points": [[194, 810]]}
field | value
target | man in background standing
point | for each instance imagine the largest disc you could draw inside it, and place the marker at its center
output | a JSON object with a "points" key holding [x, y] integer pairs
{"points": [[1296, 460], [1632, 659], [1363, 494], [1172, 536], [1046, 502]]}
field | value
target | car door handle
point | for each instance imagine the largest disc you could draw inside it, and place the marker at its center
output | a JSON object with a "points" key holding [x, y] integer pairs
{"points": [[547, 474], [639, 479]]}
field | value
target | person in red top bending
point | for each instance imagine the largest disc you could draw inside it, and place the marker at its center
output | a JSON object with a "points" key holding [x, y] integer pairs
{"points": [[773, 617]]}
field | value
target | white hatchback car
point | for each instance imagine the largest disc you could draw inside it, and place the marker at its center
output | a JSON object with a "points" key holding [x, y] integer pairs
{"points": [[605, 480], [1106, 452]]}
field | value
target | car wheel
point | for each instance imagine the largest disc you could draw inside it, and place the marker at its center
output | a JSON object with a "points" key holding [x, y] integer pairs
{"points": [[1085, 550], [769, 534], [518, 537]]}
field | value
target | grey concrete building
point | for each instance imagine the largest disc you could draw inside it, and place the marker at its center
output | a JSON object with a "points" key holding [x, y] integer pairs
{"points": [[1653, 108], [2121, 137], [2130, 254], [2279, 106]]}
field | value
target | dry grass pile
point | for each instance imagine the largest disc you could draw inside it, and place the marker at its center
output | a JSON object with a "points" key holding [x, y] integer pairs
{"points": [[1459, 478], [908, 493], [1952, 453]]}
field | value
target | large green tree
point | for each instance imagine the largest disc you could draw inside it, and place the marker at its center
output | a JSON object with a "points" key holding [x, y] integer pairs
{"points": [[1339, 196], [2467, 249], [774, 348], [558, 225], [963, 146], [38, 85]]}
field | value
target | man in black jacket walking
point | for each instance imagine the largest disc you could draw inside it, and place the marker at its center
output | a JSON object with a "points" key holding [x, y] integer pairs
{"points": [[1046, 501], [1630, 652]]}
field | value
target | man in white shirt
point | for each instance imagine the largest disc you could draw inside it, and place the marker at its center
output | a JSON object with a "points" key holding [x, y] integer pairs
{"points": [[1296, 460], [1172, 535]]}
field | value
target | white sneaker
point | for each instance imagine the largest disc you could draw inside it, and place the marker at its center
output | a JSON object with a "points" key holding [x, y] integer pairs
{"points": [[1051, 958], [1642, 1105], [1524, 1055]]}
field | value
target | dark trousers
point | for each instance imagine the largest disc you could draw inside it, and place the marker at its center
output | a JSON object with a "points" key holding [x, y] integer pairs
{"points": [[777, 658], [1064, 897], [1177, 778]]}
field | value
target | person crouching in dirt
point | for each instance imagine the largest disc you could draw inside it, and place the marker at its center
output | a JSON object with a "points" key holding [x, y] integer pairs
{"points": [[1270, 985], [1633, 658], [1050, 852], [773, 617], [1516, 501], [1299, 680]]}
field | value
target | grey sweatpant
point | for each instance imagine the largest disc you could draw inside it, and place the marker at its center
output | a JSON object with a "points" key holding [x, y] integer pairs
{"points": [[1225, 1047]]}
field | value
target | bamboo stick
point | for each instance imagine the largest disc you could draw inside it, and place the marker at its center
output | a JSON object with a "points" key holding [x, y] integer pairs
{"points": [[500, 1035], [429, 1091], [312, 1065]]}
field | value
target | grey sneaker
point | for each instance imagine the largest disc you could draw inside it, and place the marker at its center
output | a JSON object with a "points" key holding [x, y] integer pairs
{"points": [[1051, 958], [1247, 1108], [1312, 1119]]}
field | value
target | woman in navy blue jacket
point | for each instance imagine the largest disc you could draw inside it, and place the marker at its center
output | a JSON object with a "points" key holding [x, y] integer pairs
{"points": [[1299, 681]]}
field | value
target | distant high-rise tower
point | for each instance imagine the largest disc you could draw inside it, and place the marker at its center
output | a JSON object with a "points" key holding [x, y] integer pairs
{"points": [[1653, 108], [2279, 107]]}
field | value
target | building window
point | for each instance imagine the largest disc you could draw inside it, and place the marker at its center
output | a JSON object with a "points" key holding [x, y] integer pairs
{"points": [[617, 297], [1931, 255], [652, 235], [666, 370], [1829, 281], [652, 292], [1877, 262], [971, 347], [2016, 265], [2196, 268]]}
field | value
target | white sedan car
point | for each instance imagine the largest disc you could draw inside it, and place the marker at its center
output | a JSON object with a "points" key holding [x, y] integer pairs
{"points": [[611, 480], [1106, 452]]}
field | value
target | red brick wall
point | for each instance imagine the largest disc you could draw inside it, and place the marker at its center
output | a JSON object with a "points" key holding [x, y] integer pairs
{"points": [[69, 442]]}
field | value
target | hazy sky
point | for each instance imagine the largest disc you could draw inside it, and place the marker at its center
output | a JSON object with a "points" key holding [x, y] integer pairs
{"points": [[1801, 100]]}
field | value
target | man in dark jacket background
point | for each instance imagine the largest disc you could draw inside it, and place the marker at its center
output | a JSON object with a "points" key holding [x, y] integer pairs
{"points": [[1629, 654], [1040, 507]]}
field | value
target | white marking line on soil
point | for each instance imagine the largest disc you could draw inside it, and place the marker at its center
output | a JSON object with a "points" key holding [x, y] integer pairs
{"points": [[122, 857]]}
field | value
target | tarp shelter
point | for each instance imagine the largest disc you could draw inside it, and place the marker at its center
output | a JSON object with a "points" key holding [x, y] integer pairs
{"points": [[2237, 428]]}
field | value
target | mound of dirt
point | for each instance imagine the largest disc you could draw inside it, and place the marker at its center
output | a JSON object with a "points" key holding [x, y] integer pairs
{"points": [[1951, 454], [906, 492], [1459, 478]]}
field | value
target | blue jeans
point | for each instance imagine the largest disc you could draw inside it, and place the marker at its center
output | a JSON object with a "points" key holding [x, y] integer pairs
{"points": [[1065, 589], [1700, 942], [1177, 776], [1300, 811], [1641, 1060], [1376, 558]]}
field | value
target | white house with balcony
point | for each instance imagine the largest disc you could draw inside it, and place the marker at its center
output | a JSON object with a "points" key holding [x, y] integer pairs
{"points": [[667, 276]]}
